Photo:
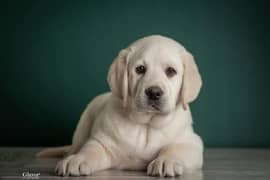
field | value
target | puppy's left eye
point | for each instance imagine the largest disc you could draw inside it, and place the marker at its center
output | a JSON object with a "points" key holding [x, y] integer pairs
{"points": [[140, 69], [170, 72]]}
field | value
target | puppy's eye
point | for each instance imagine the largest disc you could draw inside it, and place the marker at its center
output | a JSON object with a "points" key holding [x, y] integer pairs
{"points": [[170, 72], [140, 69]]}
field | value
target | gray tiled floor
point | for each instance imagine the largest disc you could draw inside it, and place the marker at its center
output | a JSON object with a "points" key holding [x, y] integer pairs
{"points": [[219, 164]]}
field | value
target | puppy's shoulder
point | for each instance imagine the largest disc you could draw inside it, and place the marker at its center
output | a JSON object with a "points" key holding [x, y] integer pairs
{"points": [[101, 98], [98, 103]]}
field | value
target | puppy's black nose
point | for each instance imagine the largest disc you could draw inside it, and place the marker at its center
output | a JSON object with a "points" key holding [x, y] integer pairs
{"points": [[154, 92]]}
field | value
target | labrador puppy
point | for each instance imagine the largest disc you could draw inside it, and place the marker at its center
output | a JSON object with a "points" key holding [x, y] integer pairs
{"points": [[144, 123]]}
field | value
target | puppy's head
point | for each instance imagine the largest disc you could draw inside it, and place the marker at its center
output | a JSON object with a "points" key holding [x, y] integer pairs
{"points": [[154, 74]]}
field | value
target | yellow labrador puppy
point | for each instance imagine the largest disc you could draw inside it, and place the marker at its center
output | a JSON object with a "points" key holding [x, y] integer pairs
{"points": [[145, 122]]}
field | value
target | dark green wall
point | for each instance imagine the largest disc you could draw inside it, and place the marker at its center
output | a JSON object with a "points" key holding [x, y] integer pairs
{"points": [[55, 56]]}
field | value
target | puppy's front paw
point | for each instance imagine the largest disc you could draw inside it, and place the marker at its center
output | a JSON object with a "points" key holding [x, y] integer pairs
{"points": [[74, 165], [165, 167]]}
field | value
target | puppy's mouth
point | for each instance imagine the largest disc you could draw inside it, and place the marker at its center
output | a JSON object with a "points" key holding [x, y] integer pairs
{"points": [[150, 107], [155, 105], [144, 104]]}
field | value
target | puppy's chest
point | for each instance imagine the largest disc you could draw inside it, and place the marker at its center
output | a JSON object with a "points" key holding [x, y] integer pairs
{"points": [[145, 142]]}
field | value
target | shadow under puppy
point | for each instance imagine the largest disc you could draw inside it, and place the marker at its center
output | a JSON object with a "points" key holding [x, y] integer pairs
{"points": [[144, 123]]}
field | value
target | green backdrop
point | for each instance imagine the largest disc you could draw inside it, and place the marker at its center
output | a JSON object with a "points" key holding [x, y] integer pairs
{"points": [[55, 56]]}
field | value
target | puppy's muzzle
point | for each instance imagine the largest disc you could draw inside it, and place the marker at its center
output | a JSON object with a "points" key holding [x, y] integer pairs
{"points": [[154, 93]]}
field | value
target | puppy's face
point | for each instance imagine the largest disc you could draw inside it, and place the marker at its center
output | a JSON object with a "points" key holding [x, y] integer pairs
{"points": [[155, 73]]}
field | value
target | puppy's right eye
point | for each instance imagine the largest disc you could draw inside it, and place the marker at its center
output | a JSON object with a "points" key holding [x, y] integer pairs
{"points": [[140, 69]]}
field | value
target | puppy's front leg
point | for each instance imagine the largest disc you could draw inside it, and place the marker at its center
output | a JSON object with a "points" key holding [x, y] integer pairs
{"points": [[174, 159], [91, 158]]}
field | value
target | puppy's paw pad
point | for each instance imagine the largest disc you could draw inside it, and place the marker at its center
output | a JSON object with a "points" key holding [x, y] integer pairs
{"points": [[165, 168]]}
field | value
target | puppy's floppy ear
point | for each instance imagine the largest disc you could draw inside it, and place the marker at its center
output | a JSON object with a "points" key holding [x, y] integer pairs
{"points": [[118, 76], [191, 83]]}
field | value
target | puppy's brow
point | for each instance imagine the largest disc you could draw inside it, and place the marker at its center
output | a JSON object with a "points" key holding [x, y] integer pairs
{"points": [[140, 62], [170, 64]]}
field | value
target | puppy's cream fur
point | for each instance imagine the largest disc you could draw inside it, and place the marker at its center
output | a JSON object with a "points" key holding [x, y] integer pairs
{"points": [[120, 130]]}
